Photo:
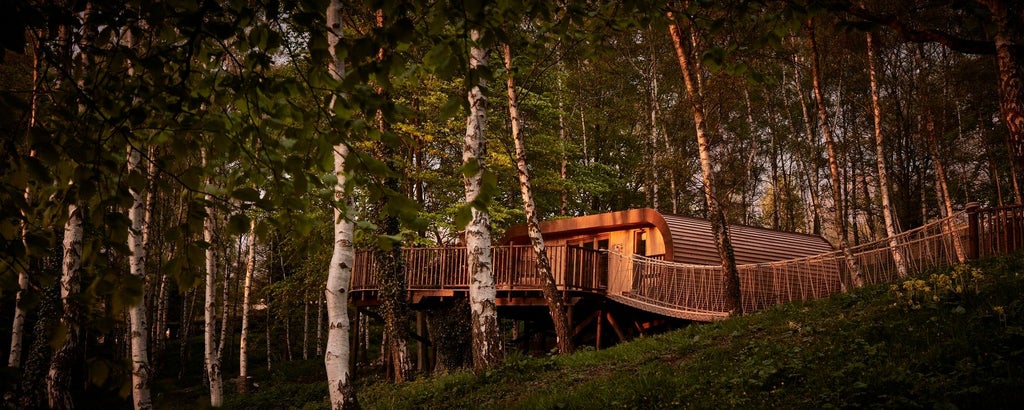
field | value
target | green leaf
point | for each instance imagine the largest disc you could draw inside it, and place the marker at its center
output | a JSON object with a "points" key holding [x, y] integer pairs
{"points": [[246, 194], [238, 224], [462, 216]]}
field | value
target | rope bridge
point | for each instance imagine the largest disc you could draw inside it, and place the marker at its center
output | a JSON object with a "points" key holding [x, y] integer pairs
{"points": [[696, 292]]}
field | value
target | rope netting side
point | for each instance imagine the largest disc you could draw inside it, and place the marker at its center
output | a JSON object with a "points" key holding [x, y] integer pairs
{"points": [[698, 288]]}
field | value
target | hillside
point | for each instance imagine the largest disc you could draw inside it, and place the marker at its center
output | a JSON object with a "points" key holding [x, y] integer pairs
{"points": [[950, 339], [954, 338]]}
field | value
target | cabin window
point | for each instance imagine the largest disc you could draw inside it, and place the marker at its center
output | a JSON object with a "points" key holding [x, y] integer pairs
{"points": [[640, 243]]}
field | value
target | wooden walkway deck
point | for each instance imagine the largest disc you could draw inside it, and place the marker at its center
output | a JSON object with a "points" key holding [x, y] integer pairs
{"points": [[694, 292]]}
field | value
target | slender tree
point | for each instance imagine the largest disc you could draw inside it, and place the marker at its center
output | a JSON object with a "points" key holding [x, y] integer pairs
{"points": [[243, 344], [339, 274], [487, 348], [554, 300], [211, 345], [883, 173], [719, 228], [833, 162]]}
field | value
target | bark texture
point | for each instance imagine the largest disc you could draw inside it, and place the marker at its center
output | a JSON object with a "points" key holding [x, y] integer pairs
{"points": [[141, 369], [833, 164], [719, 228], [554, 300], [243, 344], [339, 273], [69, 354], [212, 350], [883, 173], [487, 348]]}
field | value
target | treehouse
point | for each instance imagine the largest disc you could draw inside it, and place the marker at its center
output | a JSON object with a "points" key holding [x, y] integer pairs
{"points": [[634, 270], [673, 238]]}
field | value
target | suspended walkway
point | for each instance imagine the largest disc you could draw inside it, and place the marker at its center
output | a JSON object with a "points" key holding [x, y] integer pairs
{"points": [[695, 292]]}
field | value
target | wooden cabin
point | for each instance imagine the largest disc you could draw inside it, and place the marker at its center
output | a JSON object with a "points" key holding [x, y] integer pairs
{"points": [[681, 239]]}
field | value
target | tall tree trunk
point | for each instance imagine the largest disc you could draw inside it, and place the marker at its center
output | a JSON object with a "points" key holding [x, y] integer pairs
{"points": [[941, 187], [339, 274], [812, 162], [17, 328], [487, 348], [243, 344], [883, 173], [1007, 19], [731, 279], [212, 356], [137, 265], [58, 379], [833, 162], [389, 264], [556, 304]]}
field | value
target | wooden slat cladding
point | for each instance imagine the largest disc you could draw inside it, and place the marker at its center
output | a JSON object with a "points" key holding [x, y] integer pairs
{"points": [[693, 242]]}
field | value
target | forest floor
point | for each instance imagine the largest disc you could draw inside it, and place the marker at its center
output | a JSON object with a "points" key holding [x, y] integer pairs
{"points": [[953, 338]]}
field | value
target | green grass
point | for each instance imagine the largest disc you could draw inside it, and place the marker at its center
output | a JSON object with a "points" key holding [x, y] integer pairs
{"points": [[920, 344], [953, 338]]}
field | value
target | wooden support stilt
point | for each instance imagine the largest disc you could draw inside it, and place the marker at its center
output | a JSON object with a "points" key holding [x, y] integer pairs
{"points": [[354, 357], [421, 346], [586, 322], [615, 326], [600, 323]]}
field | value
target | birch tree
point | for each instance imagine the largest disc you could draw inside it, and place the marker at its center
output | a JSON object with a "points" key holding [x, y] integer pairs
{"points": [[137, 266], [211, 346], [719, 228], [487, 348], [833, 162], [883, 173], [554, 300], [339, 274], [243, 344]]}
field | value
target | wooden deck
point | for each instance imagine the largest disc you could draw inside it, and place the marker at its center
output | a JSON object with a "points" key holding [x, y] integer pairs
{"points": [[694, 292], [440, 272]]}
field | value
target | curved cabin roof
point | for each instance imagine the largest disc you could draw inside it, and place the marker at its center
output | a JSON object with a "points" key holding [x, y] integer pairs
{"points": [[687, 239]]}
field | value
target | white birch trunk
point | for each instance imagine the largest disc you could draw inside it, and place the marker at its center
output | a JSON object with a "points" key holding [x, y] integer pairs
{"points": [[137, 313], [883, 173], [482, 293], [554, 300], [833, 164], [17, 328], [720, 230], [213, 368], [243, 344], [58, 378], [339, 274]]}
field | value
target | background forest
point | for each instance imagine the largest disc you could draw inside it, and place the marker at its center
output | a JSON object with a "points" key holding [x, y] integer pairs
{"points": [[170, 167]]}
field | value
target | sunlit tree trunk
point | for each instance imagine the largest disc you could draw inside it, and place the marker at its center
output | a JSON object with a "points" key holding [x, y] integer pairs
{"points": [[554, 300], [719, 228], [137, 265], [812, 157], [941, 187], [883, 173], [833, 163], [487, 348], [243, 344], [17, 327], [58, 379], [1007, 19], [339, 274], [211, 346]]}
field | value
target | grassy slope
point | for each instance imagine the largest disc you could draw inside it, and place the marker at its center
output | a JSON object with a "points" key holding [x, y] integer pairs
{"points": [[923, 344]]}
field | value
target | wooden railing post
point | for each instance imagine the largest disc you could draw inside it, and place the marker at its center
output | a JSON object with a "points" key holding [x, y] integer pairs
{"points": [[973, 231]]}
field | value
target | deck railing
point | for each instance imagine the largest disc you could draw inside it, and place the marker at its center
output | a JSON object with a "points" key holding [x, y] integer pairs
{"points": [[515, 268], [695, 291]]}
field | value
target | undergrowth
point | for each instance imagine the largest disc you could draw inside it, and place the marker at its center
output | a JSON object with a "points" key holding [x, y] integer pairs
{"points": [[950, 338]]}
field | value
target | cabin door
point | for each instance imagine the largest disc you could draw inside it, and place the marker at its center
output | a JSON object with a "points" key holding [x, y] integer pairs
{"points": [[587, 262]]}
